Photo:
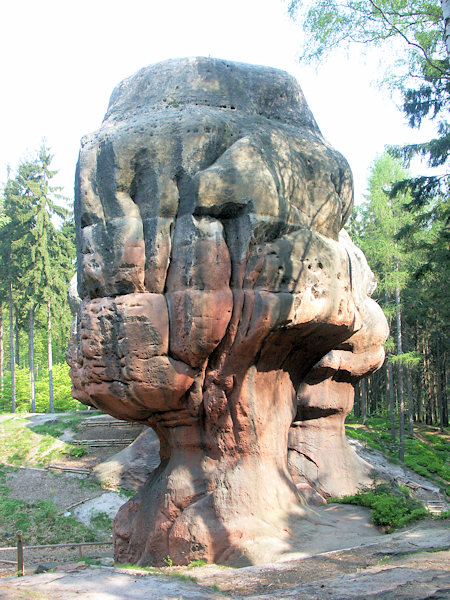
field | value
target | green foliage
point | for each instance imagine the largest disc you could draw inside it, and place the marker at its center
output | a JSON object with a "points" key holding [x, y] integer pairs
{"points": [[62, 387], [102, 521], [78, 451], [57, 427], [391, 506], [127, 493], [40, 522], [376, 441], [130, 566], [92, 561], [159, 572], [414, 29], [408, 252], [428, 460], [21, 445], [412, 36], [196, 563], [37, 256], [168, 561]]}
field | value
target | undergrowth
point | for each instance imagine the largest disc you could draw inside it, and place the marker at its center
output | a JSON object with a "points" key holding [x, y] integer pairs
{"points": [[42, 523], [431, 460], [391, 506]]}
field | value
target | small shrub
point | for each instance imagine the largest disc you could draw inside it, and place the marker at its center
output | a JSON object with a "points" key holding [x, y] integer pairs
{"points": [[78, 451], [391, 506], [196, 563], [168, 561]]}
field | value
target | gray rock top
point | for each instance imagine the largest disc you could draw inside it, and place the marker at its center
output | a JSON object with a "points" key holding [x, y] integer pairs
{"points": [[213, 82]]}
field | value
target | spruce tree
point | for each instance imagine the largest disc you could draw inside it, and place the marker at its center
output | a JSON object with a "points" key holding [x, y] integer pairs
{"points": [[41, 254]]}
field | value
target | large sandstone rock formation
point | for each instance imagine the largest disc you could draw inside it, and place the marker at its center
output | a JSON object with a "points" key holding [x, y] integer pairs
{"points": [[219, 304]]}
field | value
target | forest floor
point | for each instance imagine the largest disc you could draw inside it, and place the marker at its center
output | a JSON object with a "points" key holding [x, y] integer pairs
{"points": [[339, 555]]}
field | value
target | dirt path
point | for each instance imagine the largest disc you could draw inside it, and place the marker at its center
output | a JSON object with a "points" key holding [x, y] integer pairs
{"points": [[409, 565]]}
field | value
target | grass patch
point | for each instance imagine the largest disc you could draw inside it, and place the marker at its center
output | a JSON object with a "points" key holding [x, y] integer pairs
{"points": [[102, 522], [57, 427], [42, 523], [196, 563], [391, 506], [78, 450], [165, 572], [22, 444], [127, 493], [92, 561], [149, 569]]}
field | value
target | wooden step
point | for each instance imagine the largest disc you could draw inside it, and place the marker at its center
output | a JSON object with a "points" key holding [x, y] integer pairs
{"points": [[436, 506], [111, 424], [102, 443]]}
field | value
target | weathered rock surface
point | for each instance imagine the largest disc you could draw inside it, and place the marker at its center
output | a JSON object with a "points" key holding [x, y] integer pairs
{"points": [[219, 302], [320, 459], [130, 468]]}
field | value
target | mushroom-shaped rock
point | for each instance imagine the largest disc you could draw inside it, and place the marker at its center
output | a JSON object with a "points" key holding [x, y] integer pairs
{"points": [[212, 279]]}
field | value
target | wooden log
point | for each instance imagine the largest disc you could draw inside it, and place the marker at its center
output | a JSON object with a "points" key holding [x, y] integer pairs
{"points": [[102, 443], [71, 469], [81, 502]]}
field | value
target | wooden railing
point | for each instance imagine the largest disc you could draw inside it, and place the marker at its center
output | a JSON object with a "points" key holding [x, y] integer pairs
{"points": [[20, 548]]}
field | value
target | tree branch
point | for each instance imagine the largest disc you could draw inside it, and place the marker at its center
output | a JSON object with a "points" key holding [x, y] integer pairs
{"points": [[418, 46]]}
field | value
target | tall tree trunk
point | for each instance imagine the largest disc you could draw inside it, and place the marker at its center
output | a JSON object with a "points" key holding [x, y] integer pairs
{"points": [[363, 401], [17, 342], [446, 12], [440, 395], [391, 399], [31, 359], [357, 401], [419, 387], [444, 385], [51, 406], [11, 345], [390, 385], [410, 404], [409, 393], [401, 399], [2, 353], [428, 385]]}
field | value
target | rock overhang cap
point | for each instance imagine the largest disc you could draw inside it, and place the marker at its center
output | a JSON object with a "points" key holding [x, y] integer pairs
{"points": [[215, 83]]}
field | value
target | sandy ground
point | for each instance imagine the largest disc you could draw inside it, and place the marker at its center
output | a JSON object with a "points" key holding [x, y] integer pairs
{"points": [[396, 567]]}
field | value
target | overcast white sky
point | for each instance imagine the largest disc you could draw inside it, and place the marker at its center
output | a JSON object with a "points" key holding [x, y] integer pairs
{"points": [[60, 60]]}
